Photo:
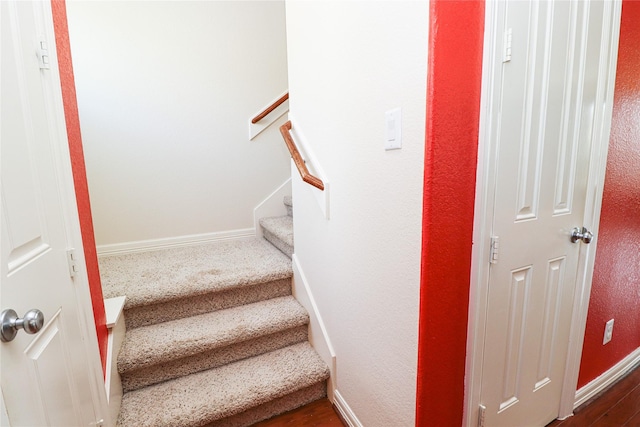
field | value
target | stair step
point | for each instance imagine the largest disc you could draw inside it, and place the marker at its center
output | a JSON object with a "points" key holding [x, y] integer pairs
{"points": [[275, 407], [156, 353], [288, 203], [208, 397], [180, 282], [279, 231]]}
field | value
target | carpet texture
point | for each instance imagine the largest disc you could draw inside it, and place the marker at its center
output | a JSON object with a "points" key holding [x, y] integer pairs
{"points": [[208, 396], [279, 232], [288, 203], [163, 371], [274, 407], [151, 277], [214, 337], [186, 281], [150, 345]]}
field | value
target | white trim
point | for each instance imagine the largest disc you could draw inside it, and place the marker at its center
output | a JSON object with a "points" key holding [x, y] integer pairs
{"points": [[113, 308], [345, 411], [483, 218], [55, 107], [485, 179], [318, 335], [113, 386], [608, 378], [273, 205], [173, 242], [256, 129]]}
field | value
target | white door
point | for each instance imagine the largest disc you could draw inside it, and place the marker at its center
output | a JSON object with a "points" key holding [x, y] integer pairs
{"points": [[546, 98], [44, 376]]}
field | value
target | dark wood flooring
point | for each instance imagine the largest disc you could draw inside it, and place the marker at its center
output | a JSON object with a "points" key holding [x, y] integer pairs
{"points": [[316, 414], [618, 406]]}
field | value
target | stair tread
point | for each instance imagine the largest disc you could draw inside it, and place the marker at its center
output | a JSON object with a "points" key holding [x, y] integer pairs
{"points": [[280, 226], [158, 276], [204, 397], [150, 345]]}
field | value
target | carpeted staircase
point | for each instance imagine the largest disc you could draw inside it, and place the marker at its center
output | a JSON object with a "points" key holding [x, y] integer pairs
{"points": [[279, 229], [214, 337]]}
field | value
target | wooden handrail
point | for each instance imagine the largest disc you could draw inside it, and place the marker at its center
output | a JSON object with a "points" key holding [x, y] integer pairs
{"points": [[270, 108], [297, 159]]}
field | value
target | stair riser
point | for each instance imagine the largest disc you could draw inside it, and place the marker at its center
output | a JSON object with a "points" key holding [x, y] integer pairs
{"points": [[193, 306], [288, 203], [275, 407], [215, 394], [277, 242], [154, 374]]}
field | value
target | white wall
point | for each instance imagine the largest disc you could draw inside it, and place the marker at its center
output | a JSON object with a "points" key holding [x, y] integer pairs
{"points": [[349, 62], [165, 91]]}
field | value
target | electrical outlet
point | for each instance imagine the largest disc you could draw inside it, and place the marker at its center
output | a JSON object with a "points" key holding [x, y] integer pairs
{"points": [[608, 332]]}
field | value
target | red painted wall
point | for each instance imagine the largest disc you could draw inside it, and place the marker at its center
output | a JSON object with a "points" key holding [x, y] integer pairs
{"points": [[79, 172], [615, 291], [453, 110]]}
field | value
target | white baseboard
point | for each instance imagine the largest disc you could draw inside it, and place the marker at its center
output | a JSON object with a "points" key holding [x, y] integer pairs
{"points": [[273, 205], [318, 336], [345, 411], [172, 242], [609, 377], [115, 324]]}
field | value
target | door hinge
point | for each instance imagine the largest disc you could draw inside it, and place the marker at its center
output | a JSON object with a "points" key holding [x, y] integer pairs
{"points": [[73, 265], [43, 54], [508, 40], [481, 411], [495, 247]]}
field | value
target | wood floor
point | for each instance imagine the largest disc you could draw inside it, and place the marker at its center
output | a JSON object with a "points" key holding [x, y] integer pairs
{"points": [[618, 406], [316, 414]]}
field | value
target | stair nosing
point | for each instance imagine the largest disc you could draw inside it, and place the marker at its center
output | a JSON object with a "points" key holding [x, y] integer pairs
{"points": [[284, 378], [145, 292], [285, 237], [190, 342]]}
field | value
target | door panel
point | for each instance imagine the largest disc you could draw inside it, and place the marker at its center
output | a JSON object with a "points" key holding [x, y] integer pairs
{"points": [[542, 133], [49, 367], [45, 376]]}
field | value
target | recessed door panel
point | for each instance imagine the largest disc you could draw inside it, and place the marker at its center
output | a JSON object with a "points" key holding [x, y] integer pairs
{"points": [[542, 131], [45, 376]]}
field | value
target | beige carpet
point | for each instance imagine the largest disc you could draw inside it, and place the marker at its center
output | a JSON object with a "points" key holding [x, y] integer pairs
{"points": [[215, 394], [171, 284], [279, 231], [214, 337], [151, 277], [167, 350]]}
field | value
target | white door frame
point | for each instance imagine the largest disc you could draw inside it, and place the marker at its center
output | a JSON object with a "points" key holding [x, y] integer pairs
{"points": [[484, 202], [74, 234], [62, 155]]}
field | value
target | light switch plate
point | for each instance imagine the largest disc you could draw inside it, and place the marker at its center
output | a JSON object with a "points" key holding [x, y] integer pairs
{"points": [[608, 332], [393, 129]]}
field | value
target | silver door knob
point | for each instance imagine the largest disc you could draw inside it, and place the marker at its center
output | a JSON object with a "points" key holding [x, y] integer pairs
{"points": [[581, 234], [10, 323]]}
